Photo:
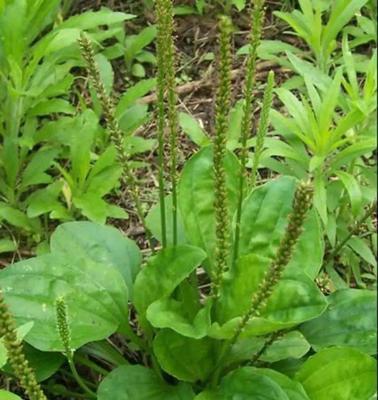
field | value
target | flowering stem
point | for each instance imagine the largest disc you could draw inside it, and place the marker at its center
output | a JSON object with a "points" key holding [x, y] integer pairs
{"points": [[115, 132], [161, 55], [172, 114], [263, 128], [257, 17], [65, 336], [17, 359], [223, 102]]}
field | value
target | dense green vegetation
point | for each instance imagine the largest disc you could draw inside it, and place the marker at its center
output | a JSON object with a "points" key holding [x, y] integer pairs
{"points": [[250, 267]]}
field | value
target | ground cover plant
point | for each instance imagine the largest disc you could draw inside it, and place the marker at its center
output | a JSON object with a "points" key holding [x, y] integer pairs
{"points": [[256, 276]]}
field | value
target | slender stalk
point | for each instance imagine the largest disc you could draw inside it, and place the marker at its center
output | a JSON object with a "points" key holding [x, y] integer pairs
{"points": [[17, 359], [160, 56], [257, 17], [115, 132], [223, 103], [301, 204], [270, 340], [170, 84], [263, 128], [65, 336]]}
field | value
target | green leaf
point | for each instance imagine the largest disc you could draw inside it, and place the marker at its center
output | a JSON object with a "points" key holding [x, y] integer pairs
{"points": [[140, 383], [133, 94], [139, 145], [320, 198], [106, 71], [353, 189], [34, 172], [169, 313], [263, 223], [45, 200], [96, 298], [294, 390], [350, 320], [5, 395], [133, 118], [360, 247], [291, 345], [245, 383], [80, 145], [134, 44], [7, 246], [338, 373], [196, 197], [294, 300], [239, 4], [47, 107], [15, 217], [193, 129], [92, 206], [163, 273], [101, 244], [154, 224], [342, 12], [92, 19], [365, 146], [184, 358], [138, 70]]}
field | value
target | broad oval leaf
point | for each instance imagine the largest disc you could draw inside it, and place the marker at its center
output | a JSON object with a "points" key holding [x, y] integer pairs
{"points": [[102, 244], [139, 383], [291, 345], [263, 223], [184, 358], [294, 390], [169, 313], [96, 298], [196, 197], [245, 384], [339, 373], [350, 320], [163, 273], [295, 299]]}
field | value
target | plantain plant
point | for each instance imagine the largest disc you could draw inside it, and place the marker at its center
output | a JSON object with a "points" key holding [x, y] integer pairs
{"points": [[198, 320]]}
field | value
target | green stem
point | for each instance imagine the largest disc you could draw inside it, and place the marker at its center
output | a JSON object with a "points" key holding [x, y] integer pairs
{"points": [[161, 54], [172, 113], [128, 332], [257, 16], [223, 103], [90, 364], [263, 128], [78, 379]]}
